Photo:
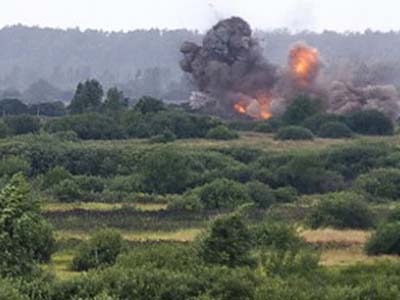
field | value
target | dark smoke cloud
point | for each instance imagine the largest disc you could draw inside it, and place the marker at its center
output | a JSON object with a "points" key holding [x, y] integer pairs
{"points": [[228, 69], [229, 63]]}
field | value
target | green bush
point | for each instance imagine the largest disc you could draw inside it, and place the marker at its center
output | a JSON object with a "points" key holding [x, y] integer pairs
{"points": [[148, 105], [386, 240], [285, 194], [166, 137], [301, 108], [222, 133], [55, 176], [380, 184], [11, 165], [228, 242], [294, 133], [23, 124], [67, 191], [342, 210], [276, 236], [188, 202], [370, 122], [25, 236], [4, 130], [261, 194], [335, 130], [222, 194], [314, 123], [8, 291], [101, 250]]}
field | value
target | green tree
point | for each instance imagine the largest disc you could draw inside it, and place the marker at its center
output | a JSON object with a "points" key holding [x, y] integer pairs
{"points": [[88, 97], [25, 236], [115, 101], [23, 124], [228, 241], [301, 108], [12, 107], [149, 105]]}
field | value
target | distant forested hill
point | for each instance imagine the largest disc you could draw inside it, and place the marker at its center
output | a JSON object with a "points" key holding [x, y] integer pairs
{"points": [[36, 62]]}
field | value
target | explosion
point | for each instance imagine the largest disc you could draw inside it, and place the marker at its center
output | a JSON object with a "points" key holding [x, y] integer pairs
{"points": [[234, 79], [258, 108], [304, 64]]}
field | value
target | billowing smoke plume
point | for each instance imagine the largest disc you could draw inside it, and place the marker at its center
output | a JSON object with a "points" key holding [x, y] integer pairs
{"points": [[229, 67], [234, 78]]}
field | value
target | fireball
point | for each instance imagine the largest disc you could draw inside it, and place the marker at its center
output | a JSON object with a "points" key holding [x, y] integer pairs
{"points": [[258, 108], [304, 64]]}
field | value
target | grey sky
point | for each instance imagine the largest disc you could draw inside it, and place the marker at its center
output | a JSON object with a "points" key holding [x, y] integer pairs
{"points": [[340, 15]]}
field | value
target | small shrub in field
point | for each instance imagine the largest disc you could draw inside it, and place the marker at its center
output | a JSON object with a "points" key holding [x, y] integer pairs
{"points": [[295, 133], [166, 137], [301, 108], [370, 122], [228, 242], [23, 124], [188, 202], [11, 165], [285, 194], [380, 184], [101, 250], [222, 132], [223, 193], [261, 194], [8, 291], [4, 130], [342, 210], [386, 240], [277, 236], [264, 127], [314, 123], [67, 191], [335, 130], [55, 176]]}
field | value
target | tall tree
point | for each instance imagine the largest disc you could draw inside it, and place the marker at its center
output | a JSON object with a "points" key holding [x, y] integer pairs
{"points": [[88, 97], [115, 100]]}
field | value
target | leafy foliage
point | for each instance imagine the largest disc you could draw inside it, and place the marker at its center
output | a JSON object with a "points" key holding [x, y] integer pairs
{"points": [[370, 122], [25, 237], [294, 133], [88, 97], [102, 249], [301, 108], [335, 130], [221, 133], [342, 210], [386, 240], [23, 124]]}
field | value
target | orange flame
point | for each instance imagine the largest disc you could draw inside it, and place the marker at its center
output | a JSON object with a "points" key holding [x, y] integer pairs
{"points": [[258, 108], [304, 64]]}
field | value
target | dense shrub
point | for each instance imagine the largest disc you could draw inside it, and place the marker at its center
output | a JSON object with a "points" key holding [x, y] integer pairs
{"points": [[380, 184], [370, 122], [386, 240], [8, 291], [342, 210], [23, 124], [167, 171], [166, 137], [286, 194], [188, 202], [301, 108], [353, 160], [228, 242], [222, 133], [88, 126], [295, 133], [25, 237], [11, 165], [223, 193], [54, 176], [277, 236], [67, 191], [102, 249], [261, 194], [314, 123], [4, 130], [305, 172], [147, 105], [335, 130]]}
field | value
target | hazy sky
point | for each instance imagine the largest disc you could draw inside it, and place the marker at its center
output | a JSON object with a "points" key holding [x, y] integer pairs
{"points": [[125, 15]]}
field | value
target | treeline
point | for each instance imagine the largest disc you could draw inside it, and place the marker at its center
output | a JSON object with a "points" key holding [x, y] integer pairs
{"points": [[146, 61]]}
